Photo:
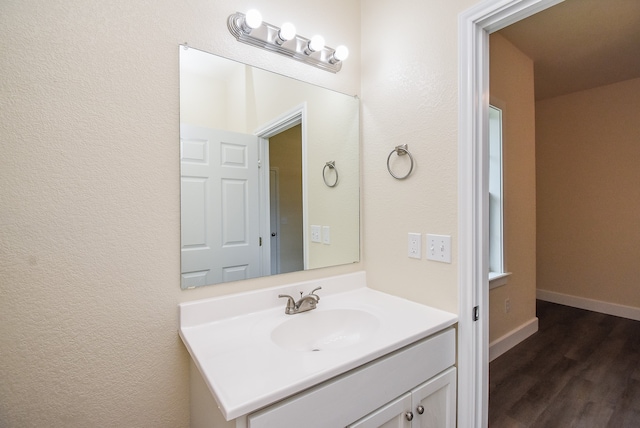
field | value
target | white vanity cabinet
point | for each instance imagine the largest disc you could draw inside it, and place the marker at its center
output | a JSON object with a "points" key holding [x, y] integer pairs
{"points": [[430, 405], [421, 374], [356, 354]]}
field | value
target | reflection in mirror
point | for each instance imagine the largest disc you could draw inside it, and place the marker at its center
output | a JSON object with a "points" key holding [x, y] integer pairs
{"points": [[253, 145]]}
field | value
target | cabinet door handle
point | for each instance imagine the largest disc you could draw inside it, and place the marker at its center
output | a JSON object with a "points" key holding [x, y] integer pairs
{"points": [[420, 410], [409, 416]]}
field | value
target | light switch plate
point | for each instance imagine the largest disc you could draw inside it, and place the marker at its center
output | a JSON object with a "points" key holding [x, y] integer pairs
{"points": [[315, 233], [326, 235], [439, 248], [415, 245]]}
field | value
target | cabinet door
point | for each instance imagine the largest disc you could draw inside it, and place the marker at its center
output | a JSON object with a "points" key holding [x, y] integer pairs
{"points": [[434, 402], [392, 415]]}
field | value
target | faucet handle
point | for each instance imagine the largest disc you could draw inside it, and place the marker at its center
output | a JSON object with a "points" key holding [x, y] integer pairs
{"points": [[313, 293], [291, 304]]}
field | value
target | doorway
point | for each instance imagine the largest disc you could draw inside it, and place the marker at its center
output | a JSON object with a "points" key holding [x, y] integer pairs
{"points": [[286, 234], [474, 27], [283, 200], [577, 160]]}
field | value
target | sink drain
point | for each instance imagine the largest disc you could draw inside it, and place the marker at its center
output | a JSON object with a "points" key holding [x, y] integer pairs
{"points": [[315, 350]]}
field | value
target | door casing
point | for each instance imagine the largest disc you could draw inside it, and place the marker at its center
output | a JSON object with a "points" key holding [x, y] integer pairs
{"points": [[289, 119], [474, 26]]}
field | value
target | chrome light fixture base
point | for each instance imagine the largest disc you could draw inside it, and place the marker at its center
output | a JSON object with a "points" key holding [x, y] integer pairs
{"points": [[266, 36]]}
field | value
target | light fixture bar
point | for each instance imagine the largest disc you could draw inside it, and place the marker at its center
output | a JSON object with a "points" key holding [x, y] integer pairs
{"points": [[266, 36]]}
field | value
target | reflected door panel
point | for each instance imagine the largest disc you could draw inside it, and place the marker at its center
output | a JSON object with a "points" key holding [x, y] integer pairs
{"points": [[220, 216]]}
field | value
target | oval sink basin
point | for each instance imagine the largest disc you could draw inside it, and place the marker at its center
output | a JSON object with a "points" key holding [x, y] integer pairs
{"points": [[325, 330]]}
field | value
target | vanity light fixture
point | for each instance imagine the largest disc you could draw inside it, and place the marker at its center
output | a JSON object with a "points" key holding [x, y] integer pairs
{"points": [[249, 28]]}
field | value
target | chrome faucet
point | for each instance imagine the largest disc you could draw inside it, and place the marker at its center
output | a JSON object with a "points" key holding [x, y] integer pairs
{"points": [[304, 304]]}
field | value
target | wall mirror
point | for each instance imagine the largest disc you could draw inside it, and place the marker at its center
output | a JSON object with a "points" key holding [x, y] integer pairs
{"points": [[254, 148]]}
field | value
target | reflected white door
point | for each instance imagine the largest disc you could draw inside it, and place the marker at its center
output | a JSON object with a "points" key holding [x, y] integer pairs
{"points": [[220, 206]]}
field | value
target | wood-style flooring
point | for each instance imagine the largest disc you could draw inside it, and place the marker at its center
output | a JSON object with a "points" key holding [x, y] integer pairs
{"points": [[581, 369]]}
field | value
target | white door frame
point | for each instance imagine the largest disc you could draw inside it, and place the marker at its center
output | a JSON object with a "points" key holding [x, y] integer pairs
{"points": [[274, 202], [474, 27], [287, 120]]}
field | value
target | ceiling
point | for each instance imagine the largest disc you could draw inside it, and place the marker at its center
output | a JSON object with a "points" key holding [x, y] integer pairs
{"points": [[580, 44]]}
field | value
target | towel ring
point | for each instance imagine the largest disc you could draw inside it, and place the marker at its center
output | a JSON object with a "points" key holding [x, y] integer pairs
{"points": [[401, 150], [330, 165]]}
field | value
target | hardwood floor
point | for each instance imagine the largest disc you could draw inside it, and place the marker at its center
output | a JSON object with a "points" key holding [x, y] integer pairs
{"points": [[581, 369]]}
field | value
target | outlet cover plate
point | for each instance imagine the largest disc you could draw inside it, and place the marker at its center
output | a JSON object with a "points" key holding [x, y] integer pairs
{"points": [[315, 233], [415, 245]]}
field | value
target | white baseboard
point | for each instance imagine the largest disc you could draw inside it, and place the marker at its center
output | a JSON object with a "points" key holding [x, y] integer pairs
{"points": [[615, 309], [511, 339]]}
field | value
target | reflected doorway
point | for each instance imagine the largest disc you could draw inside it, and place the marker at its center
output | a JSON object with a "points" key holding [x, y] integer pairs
{"points": [[286, 201]]}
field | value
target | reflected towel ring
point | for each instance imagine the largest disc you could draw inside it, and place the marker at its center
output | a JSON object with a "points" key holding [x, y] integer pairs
{"points": [[330, 165], [401, 151]]}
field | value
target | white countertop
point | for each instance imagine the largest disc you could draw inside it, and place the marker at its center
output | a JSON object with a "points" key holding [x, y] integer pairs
{"points": [[229, 338]]}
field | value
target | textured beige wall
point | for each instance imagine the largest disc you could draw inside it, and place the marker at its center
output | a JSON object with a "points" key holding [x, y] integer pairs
{"points": [[89, 182], [511, 81], [409, 95], [89, 191], [588, 157]]}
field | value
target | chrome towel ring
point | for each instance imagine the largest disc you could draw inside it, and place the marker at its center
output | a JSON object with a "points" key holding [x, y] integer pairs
{"points": [[401, 150], [332, 166]]}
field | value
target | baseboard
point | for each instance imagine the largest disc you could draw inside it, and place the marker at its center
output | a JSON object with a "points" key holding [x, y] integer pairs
{"points": [[511, 339], [615, 309]]}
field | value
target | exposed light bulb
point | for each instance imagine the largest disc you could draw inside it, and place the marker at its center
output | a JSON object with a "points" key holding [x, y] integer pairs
{"points": [[252, 20], [287, 32], [341, 53], [316, 43]]}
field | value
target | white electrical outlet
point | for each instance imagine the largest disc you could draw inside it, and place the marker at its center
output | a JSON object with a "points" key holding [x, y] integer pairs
{"points": [[439, 248], [507, 305], [415, 245], [326, 235], [315, 233]]}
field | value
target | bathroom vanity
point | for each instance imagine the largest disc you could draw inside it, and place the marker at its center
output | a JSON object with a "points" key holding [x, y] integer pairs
{"points": [[361, 358]]}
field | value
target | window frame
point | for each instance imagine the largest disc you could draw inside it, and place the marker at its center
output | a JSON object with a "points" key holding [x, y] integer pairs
{"points": [[497, 270]]}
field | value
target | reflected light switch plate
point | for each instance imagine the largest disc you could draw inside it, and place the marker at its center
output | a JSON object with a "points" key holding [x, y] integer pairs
{"points": [[326, 235]]}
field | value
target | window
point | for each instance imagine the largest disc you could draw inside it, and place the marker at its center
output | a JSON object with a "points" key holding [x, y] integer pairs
{"points": [[497, 276]]}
